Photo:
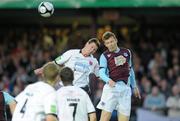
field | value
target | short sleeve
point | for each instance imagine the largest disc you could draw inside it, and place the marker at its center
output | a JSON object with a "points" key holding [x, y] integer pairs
{"points": [[8, 98], [60, 60]]}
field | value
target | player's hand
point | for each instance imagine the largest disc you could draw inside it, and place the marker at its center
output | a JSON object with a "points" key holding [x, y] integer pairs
{"points": [[137, 93], [112, 83], [38, 71]]}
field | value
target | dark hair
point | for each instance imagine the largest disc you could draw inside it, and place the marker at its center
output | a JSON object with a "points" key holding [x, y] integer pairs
{"points": [[94, 40], [67, 75], [107, 35]]}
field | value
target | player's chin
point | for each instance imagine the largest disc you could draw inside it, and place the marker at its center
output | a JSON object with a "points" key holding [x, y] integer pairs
{"points": [[112, 49]]}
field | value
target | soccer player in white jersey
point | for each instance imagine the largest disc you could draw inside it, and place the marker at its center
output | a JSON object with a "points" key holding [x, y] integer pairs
{"points": [[74, 103], [81, 62], [38, 101]]}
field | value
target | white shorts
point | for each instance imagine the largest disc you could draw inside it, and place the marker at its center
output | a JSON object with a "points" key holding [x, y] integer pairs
{"points": [[118, 97]]}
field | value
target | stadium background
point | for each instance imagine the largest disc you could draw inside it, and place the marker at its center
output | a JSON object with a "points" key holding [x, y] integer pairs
{"points": [[150, 28]]}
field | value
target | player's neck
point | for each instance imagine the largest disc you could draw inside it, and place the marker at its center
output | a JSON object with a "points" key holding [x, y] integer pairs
{"points": [[67, 84], [115, 50], [50, 82]]}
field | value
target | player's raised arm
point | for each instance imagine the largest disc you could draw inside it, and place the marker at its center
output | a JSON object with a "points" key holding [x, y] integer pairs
{"points": [[39, 71], [60, 60]]}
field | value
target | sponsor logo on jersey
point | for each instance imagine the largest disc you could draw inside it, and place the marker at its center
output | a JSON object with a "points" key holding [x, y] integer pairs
{"points": [[90, 63]]}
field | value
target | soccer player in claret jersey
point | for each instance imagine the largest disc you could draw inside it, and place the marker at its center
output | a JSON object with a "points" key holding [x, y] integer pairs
{"points": [[116, 70], [74, 103], [38, 101], [6, 99], [81, 62]]}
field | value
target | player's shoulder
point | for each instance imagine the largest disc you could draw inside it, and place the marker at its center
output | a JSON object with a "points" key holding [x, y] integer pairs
{"points": [[80, 90], [93, 58], [125, 50], [74, 51], [30, 86], [41, 87], [72, 89]]}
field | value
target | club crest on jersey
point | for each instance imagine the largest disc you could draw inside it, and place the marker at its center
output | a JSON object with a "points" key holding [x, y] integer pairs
{"points": [[125, 54], [90, 62], [120, 60]]}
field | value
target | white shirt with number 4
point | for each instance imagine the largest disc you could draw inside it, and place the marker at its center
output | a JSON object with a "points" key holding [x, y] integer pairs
{"points": [[73, 104], [35, 102]]}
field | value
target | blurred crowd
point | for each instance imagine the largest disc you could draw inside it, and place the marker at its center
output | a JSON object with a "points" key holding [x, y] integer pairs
{"points": [[156, 58]]}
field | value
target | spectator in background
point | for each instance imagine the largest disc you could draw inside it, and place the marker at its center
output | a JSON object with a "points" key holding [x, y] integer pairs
{"points": [[176, 70], [145, 86], [173, 102], [154, 76], [155, 101], [158, 63], [178, 81], [170, 76], [138, 68], [164, 86]]}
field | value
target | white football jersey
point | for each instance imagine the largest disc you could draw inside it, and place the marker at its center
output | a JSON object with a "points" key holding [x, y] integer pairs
{"points": [[81, 65], [35, 102], [73, 104]]}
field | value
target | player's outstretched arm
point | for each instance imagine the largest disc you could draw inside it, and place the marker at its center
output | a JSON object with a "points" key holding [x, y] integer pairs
{"points": [[92, 117], [39, 71], [60, 60]]}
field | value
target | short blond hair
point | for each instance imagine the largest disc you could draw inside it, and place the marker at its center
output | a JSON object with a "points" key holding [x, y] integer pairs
{"points": [[50, 71]]}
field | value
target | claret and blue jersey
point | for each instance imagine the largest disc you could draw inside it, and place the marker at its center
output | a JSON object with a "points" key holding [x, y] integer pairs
{"points": [[117, 66]]}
